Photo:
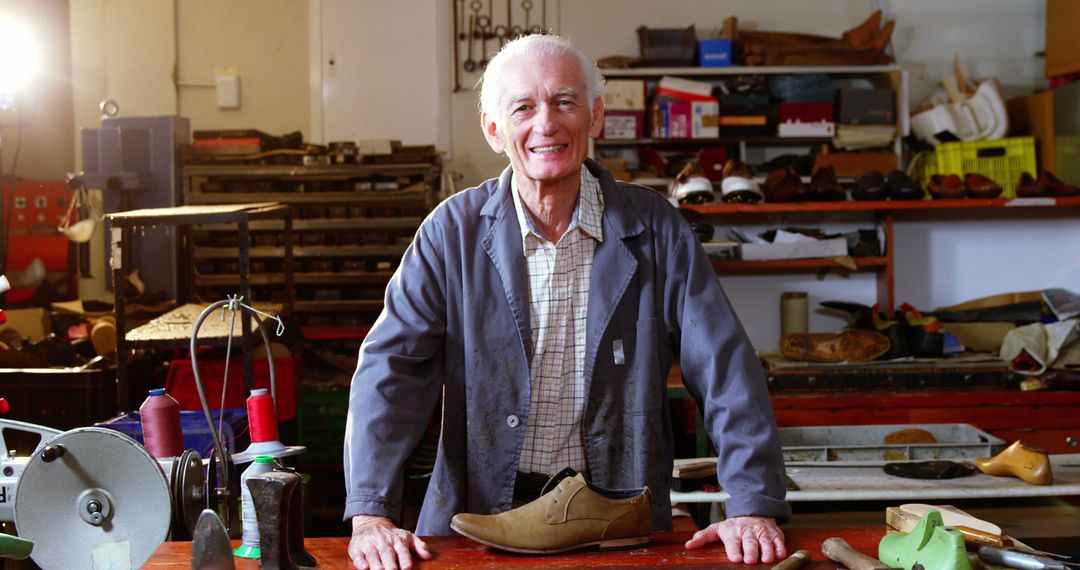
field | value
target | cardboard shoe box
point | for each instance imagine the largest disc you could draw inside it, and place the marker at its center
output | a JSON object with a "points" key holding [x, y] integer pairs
{"points": [[705, 119], [866, 107], [623, 125], [714, 52], [624, 95], [799, 250], [807, 120]]}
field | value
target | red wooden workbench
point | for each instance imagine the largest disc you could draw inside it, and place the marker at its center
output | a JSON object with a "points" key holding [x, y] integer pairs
{"points": [[666, 549]]}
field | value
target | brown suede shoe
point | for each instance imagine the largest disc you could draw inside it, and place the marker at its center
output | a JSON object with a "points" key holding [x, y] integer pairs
{"points": [[573, 515], [1028, 463], [946, 187], [849, 345], [979, 186]]}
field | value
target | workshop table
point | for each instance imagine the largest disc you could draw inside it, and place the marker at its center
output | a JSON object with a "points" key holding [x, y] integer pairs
{"points": [[665, 549], [123, 223]]}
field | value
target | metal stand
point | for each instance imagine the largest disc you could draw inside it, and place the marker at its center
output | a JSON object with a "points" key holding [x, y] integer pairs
{"points": [[240, 214]]}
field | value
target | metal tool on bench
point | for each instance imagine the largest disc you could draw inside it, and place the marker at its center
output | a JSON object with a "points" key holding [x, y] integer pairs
{"points": [[210, 546], [222, 474], [1014, 559], [278, 498], [87, 498]]}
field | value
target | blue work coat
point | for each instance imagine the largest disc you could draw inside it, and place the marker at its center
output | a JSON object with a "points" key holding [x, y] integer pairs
{"points": [[456, 323]]}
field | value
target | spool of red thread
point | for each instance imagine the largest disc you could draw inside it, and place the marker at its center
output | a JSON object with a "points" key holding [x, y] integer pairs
{"points": [[160, 419], [261, 416]]}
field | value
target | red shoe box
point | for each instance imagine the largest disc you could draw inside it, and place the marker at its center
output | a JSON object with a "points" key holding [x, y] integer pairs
{"points": [[807, 120]]}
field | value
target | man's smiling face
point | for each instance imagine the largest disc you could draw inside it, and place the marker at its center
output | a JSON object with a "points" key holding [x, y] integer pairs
{"points": [[543, 121]]}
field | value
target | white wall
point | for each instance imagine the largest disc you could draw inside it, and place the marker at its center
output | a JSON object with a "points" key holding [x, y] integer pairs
{"points": [[266, 41], [384, 72]]}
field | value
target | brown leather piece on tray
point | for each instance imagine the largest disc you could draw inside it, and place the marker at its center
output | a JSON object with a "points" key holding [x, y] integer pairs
{"points": [[937, 469]]}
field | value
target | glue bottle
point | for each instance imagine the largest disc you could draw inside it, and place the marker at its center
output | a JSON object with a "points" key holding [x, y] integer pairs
{"points": [[249, 545]]}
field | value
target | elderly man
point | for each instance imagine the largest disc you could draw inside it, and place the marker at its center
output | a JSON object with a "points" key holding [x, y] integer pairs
{"points": [[546, 307]]}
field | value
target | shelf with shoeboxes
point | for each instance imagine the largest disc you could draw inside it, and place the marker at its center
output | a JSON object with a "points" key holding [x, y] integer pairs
{"points": [[351, 223], [659, 119]]}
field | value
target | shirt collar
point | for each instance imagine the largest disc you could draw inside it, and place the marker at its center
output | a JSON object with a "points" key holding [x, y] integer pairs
{"points": [[587, 213]]}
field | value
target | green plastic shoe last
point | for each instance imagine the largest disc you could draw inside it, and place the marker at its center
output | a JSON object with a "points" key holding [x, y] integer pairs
{"points": [[14, 547], [931, 544]]}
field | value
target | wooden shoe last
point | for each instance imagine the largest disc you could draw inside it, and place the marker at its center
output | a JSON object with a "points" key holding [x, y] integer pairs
{"points": [[1018, 460], [849, 345]]}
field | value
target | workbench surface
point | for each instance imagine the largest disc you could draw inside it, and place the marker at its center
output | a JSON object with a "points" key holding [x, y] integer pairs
{"points": [[666, 549]]}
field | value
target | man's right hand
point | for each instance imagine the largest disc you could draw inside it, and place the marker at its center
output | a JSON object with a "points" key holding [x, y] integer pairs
{"points": [[377, 544]]}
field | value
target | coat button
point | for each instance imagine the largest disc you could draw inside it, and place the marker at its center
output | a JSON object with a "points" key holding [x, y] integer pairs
{"points": [[512, 421]]}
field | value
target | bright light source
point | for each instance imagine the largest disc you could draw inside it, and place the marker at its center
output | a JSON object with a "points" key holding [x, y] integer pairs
{"points": [[18, 56]]}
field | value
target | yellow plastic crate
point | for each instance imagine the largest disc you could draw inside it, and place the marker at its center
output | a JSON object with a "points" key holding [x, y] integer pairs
{"points": [[1001, 160]]}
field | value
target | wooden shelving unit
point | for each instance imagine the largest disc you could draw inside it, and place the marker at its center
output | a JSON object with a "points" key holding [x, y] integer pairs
{"points": [[352, 223], [884, 212]]}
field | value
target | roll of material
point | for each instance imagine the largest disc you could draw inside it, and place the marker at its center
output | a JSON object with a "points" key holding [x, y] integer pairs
{"points": [[794, 313]]}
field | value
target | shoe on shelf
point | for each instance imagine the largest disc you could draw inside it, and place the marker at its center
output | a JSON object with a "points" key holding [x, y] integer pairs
{"points": [[902, 187], [824, 187], [784, 185], [848, 345], [924, 336], [738, 185], [870, 186], [1030, 464], [569, 514], [898, 335], [858, 315], [979, 186], [689, 187], [946, 187], [1029, 187], [1053, 186], [861, 35], [802, 164]]}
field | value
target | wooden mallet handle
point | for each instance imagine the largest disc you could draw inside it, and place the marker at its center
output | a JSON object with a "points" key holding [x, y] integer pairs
{"points": [[838, 550]]}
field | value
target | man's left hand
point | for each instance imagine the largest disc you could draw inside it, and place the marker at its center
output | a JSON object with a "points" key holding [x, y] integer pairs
{"points": [[746, 539]]}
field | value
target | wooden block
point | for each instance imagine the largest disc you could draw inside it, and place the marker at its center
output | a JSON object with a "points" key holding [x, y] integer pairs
{"points": [[694, 467], [953, 516], [906, 522]]}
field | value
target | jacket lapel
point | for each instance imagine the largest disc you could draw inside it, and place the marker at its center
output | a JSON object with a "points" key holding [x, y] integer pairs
{"points": [[503, 245], [613, 265]]}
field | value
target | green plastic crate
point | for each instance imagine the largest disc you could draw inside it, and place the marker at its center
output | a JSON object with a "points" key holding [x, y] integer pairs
{"points": [[321, 423], [1001, 160]]}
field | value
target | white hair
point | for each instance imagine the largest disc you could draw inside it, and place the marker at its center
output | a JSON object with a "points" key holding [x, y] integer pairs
{"points": [[537, 45]]}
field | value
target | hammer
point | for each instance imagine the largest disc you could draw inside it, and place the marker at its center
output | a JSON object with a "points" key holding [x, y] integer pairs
{"points": [[838, 550]]}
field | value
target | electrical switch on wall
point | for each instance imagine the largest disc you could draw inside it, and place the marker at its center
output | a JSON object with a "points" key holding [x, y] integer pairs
{"points": [[227, 81]]}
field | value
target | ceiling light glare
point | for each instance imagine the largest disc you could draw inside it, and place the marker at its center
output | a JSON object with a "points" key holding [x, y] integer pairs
{"points": [[18, 55]]}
